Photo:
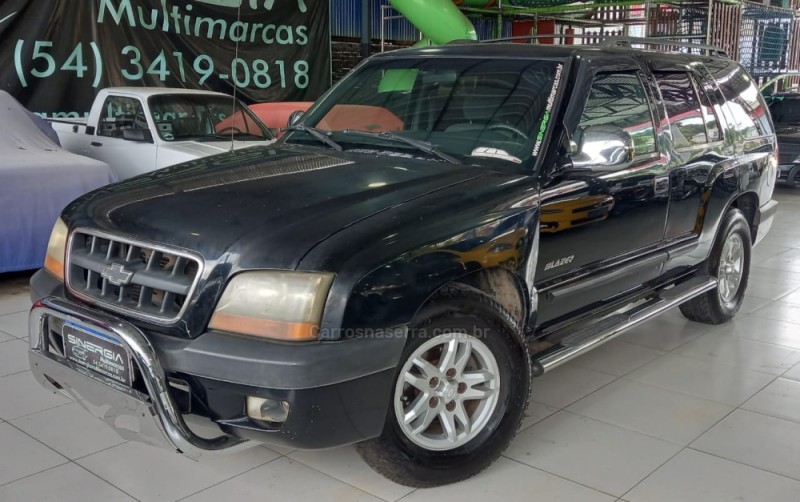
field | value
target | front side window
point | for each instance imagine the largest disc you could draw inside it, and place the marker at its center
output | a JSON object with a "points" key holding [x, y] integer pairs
{"points": [[204, 117], [619, 100], [120, 113], [477, 110], [686, 120]]}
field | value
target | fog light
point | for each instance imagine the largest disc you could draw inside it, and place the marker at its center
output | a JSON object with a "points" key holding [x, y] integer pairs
{"points": [[268, 410]]}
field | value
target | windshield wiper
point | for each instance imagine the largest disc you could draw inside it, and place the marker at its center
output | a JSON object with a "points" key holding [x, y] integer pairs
{"points": [[317, 134], [238, 135], [420, 145]]}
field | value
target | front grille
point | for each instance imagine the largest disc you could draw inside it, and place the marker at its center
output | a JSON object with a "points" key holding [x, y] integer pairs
{"points": [[142, 280]]}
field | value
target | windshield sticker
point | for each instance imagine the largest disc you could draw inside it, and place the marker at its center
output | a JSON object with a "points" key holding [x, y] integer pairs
{"points": [[495, 153], [548, 109]]}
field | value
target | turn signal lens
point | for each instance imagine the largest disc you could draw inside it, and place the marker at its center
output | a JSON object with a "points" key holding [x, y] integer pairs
{"points": [[56, 249], [273, 304]]}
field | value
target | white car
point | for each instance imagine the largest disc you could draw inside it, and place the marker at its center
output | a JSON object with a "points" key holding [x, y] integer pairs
{"points": [[140, 129]]}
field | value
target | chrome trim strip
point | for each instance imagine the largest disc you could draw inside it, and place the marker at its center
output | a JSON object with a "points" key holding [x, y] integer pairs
{"points": [[607, 276], [162, 409], [666, 302], [162, 321]]}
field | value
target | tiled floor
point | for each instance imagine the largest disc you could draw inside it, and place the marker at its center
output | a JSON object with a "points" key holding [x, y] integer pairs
{"points": [[673, 411]]}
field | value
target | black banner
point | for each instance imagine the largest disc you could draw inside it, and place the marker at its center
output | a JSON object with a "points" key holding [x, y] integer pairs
{"points": [[56, 54]]}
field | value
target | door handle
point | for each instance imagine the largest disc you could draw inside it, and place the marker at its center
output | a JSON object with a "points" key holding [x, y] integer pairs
{"points": [[661, 185], [96, 143]]}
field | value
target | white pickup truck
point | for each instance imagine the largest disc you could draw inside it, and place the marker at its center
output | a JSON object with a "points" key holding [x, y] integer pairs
{"points": [[140, 129]]}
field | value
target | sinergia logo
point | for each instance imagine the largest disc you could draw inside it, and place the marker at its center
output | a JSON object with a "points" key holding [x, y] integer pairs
{"points": [[79, 351], [80, 348], [557, 263]]}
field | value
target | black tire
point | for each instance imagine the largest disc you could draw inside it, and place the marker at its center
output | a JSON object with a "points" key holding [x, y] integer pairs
{"points": [[710, 307], [454, 308], [793, 177]]}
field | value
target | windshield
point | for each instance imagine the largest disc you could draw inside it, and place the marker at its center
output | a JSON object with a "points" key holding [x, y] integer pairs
{"points": [[472, 109], [204, 117]]}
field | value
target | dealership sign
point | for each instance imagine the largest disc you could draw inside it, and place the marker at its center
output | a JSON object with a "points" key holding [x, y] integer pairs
{"points": [[55, 55]]}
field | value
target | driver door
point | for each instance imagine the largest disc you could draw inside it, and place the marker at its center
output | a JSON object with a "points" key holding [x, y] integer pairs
{"points": [[602, 226]]}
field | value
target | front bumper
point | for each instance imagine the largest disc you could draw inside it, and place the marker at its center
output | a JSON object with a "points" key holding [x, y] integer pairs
{"points": [[327, 408], [152, 418]]}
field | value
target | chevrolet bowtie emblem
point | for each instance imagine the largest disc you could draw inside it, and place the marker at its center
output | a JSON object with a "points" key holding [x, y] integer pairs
{"points": [[117, 275]]}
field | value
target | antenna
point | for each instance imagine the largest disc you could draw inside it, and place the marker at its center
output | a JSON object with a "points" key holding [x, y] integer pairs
{"points": [[233, 81]]}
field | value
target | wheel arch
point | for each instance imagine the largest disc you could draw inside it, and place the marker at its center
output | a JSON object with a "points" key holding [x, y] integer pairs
{"points": [[507, 288], [500, 285], [747, 203]]}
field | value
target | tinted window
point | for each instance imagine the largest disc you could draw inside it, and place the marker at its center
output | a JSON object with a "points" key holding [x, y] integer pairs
{"points": [[752, 101], [683, 109], [743, 101], [711, 120], [492, 111], [785, 109], [120, 113], [618, 99]]}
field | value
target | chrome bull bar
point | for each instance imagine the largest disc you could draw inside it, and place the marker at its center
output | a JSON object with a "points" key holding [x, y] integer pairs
{"points": [[152, 418]]}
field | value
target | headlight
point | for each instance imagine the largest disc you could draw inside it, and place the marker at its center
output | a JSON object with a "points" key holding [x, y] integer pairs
{"points": [[272, 304], [56, 248]]}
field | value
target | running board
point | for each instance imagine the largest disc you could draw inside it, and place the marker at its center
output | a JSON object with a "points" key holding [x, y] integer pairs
{"points": [[611, 327]]}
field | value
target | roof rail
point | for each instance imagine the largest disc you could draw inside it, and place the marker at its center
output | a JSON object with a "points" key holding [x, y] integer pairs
{"points": [[536, 37], [710, 50], [616, 41]]}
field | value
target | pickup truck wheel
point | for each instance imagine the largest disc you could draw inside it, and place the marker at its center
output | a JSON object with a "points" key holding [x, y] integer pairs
{"points": [[730, 264], [460, 392]]}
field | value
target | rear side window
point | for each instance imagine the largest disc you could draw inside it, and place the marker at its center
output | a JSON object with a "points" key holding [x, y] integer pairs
{"points": [[753, 102], [744, 102], [618, 99], [686, 118]]}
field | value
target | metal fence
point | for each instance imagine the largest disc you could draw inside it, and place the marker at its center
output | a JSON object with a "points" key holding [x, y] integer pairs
{"points": [[346, 22], [764, 38]]}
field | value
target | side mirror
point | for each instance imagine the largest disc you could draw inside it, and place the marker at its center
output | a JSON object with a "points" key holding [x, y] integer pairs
{"points": [[138, 135], [603, 146], [295, 117]]}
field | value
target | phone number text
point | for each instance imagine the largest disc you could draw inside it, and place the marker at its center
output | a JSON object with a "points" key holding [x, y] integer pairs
{"points": [[200, 68]]}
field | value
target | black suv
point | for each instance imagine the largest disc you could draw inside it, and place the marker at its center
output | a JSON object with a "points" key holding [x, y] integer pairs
{"points": [[785, 110], [442, 226]]}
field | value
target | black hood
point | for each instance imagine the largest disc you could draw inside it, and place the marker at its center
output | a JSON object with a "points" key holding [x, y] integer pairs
{"points": [[264, 206]]}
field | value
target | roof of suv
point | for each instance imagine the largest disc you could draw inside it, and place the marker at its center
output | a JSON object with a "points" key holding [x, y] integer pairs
{"points": [[513, 50]]}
